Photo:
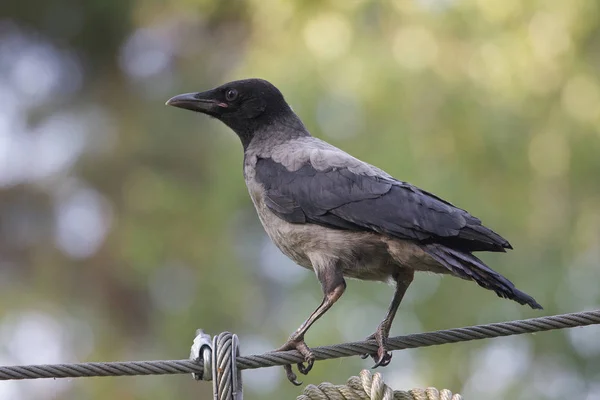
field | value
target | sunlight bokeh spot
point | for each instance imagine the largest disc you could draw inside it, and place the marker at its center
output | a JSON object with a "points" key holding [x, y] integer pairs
{"points": [[415, 47], [497, 12], [581, 98], [328, 36], [548, 35], [549, 154]]}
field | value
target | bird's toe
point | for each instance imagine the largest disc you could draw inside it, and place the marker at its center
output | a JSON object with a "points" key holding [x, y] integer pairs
{"points": [[382, 358], [309, 358], [291, 375], [305, 368]]}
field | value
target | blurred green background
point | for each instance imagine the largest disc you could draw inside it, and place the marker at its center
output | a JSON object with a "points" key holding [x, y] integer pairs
{"points": [[125, 225]]}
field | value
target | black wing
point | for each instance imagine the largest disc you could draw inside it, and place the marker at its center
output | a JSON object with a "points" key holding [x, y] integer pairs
{"points": [[342, 199]]}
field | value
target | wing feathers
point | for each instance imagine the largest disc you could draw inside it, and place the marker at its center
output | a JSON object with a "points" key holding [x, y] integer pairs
{"points": [[344, 199]]}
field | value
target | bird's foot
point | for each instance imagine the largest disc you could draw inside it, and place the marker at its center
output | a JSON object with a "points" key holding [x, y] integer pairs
{"points": [[382, 358], [297, 343]]}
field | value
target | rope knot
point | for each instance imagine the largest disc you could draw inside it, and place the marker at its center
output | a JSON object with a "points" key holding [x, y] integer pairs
{"points": [[371, 387]]}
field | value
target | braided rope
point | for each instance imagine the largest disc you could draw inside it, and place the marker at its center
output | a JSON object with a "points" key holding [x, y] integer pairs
{"points": [[371, 387], [163, 367]]}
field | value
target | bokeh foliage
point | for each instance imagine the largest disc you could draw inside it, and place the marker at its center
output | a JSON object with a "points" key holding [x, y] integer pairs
{"points": [[125, 225]]}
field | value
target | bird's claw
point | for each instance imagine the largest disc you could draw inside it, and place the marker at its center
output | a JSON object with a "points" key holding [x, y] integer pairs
{"points": [[382, 358], [291, 375], [297, 343]]}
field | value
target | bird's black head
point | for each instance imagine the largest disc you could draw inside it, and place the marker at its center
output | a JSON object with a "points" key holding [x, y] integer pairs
{"points": [[245, 106]]}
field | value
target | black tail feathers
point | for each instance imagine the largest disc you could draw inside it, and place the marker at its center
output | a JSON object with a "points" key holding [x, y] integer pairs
{"points": [[467, 266]]}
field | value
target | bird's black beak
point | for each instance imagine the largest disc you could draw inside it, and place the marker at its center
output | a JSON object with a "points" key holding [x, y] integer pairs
{"points": [[201, 102]]}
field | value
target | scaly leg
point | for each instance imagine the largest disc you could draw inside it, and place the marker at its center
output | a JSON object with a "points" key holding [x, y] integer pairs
{"points": [[382, 357], [333, 284]]}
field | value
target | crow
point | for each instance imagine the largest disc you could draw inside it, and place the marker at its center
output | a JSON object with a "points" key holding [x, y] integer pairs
{"points": [[341, 217]]}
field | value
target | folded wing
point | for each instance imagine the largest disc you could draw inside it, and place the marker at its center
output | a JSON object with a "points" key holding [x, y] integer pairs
{"points": [[342, 194]]}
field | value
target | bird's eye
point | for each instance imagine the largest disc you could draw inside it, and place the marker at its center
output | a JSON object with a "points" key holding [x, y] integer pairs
{"points": [[231, 94]]}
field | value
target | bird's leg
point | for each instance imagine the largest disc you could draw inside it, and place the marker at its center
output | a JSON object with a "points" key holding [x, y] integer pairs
{"points": [[382, 357], [333, 284]]}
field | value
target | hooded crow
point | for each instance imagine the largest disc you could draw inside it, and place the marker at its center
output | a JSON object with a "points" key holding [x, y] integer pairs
{"points": [[341, 217]]}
